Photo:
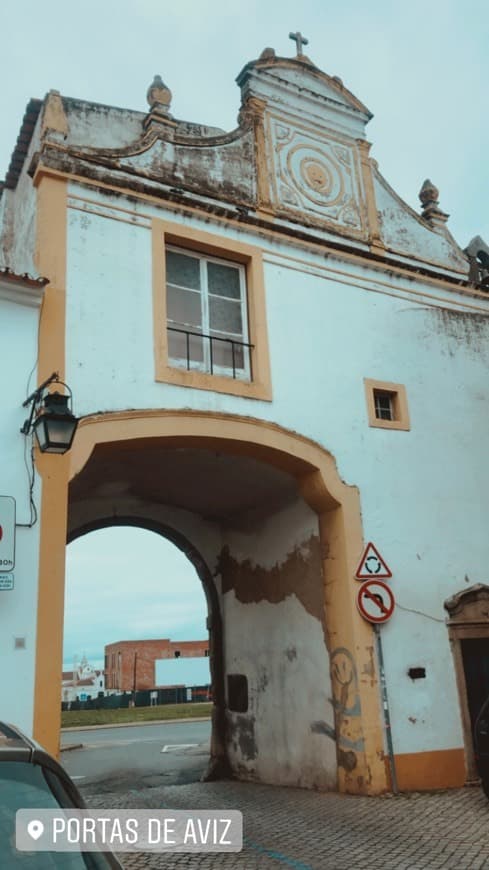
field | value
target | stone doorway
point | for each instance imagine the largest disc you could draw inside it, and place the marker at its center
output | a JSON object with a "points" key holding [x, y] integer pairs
{"points": [[468, 627]]}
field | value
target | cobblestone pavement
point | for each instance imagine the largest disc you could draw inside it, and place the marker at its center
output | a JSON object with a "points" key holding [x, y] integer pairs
{"points": [[305, 830]]}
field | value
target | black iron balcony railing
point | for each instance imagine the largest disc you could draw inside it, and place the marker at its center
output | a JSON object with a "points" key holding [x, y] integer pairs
{"points": [[238, 348]]}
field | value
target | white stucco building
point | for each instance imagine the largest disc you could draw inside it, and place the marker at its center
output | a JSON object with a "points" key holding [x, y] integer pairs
{"points": [[275, 360], [82, 682]]}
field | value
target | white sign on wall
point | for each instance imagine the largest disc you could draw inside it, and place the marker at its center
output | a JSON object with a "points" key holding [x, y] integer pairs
{"points": [[7, 533], [185, 671], [6, 582]]}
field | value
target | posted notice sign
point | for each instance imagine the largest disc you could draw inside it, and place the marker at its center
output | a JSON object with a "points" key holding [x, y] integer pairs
{"points": [[7, 533], [6, 582]]}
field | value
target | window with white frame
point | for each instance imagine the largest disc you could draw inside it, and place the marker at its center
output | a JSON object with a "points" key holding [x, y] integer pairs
{"points": [[207, 318]]}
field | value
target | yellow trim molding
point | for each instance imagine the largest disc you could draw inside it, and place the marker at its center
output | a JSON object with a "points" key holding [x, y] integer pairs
{"points": [[51, 261], [260, 387], [398, 397], [424, 771]]}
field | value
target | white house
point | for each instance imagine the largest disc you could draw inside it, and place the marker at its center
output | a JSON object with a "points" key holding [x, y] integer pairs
{"points": [[276, 361], [82, 682]]}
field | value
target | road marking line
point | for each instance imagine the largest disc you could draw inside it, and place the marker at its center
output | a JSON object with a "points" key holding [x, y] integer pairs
{"points": [[78, 777], [171, 747], [103, 744]]}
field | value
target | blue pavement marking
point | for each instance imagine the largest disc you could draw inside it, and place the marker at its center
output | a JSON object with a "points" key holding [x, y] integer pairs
{"points": [[290, 862]]}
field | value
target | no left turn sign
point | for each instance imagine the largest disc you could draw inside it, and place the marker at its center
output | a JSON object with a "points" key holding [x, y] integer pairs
{"points": [[375, 601]]}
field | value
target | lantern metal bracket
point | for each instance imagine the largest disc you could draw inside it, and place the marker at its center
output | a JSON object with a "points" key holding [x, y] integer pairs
{"points": [[35, 399]]}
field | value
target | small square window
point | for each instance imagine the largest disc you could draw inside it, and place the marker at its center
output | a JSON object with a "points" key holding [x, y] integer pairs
{"points": [[386, 405]]}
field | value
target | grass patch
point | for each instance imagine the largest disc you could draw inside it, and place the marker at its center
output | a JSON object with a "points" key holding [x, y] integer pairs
{"points": [[79, 718]]}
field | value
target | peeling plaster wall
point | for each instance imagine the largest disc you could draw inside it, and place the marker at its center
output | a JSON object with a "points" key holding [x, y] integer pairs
{"points": [[404, 231], [98, 126], [225, 172], [273, 607], [18, 221]]}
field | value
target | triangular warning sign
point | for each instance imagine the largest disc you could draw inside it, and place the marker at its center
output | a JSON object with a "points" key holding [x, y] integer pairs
{"points": [[372, 566]]}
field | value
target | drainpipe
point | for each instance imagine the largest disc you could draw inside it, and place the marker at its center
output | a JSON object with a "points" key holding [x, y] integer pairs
{"points": [[385, 708]]}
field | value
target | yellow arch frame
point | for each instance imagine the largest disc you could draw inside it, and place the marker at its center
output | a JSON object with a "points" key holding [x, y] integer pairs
{"points": [[337, 505]]}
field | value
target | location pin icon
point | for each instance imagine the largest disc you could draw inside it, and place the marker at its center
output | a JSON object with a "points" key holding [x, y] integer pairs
{"points": [[35, 829]]}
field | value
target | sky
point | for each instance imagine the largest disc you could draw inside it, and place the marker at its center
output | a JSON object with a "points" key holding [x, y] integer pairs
{"points": [[421, 67], [128, 584]]}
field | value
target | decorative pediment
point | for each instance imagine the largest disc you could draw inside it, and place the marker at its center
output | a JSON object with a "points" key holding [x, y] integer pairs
{"points": [[470, 605], [306, 91]]}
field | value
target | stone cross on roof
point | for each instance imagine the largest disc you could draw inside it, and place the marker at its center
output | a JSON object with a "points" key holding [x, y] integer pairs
{"points": [[299, 40]]}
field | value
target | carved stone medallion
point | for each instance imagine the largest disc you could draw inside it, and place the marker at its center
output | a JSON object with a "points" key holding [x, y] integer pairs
{"points": [[316, 176]]}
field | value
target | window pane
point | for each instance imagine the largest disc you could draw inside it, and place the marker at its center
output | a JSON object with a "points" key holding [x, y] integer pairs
{"points": [[223, 280], [222, 354], [177, 348], [183, 270], [225, 315], [183, 306], [383, 406]]}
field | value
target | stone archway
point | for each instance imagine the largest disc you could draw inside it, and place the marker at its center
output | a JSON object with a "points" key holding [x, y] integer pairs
{"points": [[282, 455], [468, 622], [218, 764]]}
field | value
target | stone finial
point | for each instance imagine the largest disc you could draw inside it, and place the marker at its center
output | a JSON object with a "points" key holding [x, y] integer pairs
{"points": [[429, 193], [159, 96], [429, 200]]}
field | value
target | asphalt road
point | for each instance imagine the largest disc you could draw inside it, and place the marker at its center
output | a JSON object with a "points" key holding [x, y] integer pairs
{"points": [[137, 756]]}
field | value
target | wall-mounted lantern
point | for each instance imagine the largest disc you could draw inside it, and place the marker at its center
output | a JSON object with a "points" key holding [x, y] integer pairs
{"points": [[55, 424]]}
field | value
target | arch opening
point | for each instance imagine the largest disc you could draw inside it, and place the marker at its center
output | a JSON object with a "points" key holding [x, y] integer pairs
{"points": [[281, 535], [217, 764]]}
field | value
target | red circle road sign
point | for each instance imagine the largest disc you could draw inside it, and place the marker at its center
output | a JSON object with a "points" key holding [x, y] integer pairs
{"points": [[375, 601]]}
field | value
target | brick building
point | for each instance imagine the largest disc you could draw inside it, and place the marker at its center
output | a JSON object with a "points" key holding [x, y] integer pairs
{"points": [[130, 664]]}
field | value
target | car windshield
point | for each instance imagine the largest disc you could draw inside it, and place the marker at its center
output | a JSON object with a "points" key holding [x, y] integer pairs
{"points": [[29, 786]]}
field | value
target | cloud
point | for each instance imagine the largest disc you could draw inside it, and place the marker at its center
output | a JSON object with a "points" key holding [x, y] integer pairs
{"points": [[129, 584], [423, 75]]}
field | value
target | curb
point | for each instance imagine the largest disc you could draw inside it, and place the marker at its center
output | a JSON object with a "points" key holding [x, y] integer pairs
{"points": [[71, 746], [134, 724]]}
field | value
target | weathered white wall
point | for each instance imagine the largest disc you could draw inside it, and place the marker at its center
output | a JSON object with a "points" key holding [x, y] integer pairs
{"points": [[18, 342], [403, 230], [331, 324], [274, 634], [18, 218]]}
